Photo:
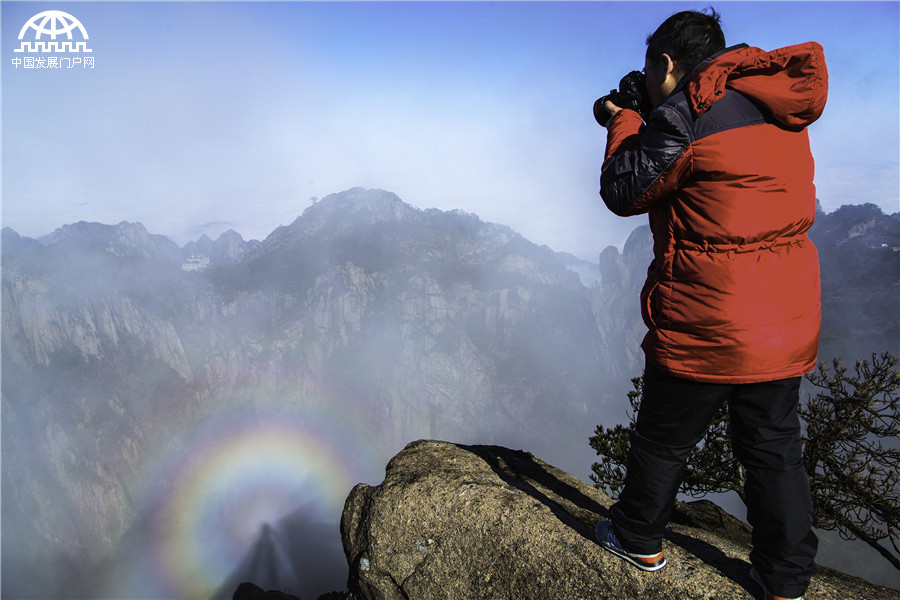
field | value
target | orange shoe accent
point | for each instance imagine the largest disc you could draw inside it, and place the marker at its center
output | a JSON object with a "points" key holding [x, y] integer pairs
{"points": [[655, 559]]}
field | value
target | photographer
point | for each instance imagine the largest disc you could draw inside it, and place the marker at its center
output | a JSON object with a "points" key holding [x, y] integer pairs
{"points": [[731, 301]]}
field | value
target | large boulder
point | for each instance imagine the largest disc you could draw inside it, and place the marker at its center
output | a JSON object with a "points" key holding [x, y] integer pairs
{"points": [[461, 522]]}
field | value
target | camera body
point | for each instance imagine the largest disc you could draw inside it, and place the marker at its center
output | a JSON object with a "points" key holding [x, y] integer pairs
{"points": [[632, 93]]}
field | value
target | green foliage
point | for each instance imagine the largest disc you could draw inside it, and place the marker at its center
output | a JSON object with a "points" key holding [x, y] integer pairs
{"points": [[851, 453]]}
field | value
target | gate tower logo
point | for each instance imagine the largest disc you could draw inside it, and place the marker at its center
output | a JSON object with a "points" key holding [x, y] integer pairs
{"points": [[53, 23]]}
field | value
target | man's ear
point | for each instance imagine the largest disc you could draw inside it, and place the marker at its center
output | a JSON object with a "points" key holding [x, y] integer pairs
{"points": [[672, 67], [668, 62]]}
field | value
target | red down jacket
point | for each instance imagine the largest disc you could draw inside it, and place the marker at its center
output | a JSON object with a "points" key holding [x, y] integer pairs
{"points": [[724, 168]]}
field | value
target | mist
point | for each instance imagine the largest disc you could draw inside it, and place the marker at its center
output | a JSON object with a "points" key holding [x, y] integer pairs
{"points": [[169, 422], [172, 432]]}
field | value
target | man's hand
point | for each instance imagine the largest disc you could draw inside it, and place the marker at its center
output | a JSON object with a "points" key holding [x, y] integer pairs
{"points": [[611, 108], [604, 110]]}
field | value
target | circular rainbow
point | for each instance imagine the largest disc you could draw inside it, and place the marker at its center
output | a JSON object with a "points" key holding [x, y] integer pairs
{"points": [[220, 481]]}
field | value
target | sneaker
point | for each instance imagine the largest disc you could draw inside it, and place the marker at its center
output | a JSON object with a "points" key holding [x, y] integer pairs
{"points": [[645, 562], [766, 594]]}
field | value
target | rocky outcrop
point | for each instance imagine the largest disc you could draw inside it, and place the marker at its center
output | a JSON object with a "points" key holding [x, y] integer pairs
{"points": [[460, 522], [122, 240], [228, 248], [617, 308]]}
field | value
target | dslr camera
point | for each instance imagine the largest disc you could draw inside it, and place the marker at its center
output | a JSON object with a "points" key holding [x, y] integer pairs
{"points": [[632, 93]]}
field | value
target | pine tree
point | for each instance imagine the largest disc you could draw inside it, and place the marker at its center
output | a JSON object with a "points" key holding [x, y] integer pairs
{"points": [[851, 453]]}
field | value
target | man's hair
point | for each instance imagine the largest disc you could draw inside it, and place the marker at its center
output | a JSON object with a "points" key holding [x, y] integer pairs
{"points": [[688, 37]]}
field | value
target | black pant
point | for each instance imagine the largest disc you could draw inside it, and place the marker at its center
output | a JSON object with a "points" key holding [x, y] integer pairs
{"points": [[765, 433]]}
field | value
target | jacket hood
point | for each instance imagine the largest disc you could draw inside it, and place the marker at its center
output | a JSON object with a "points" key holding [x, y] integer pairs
{"points": [[791, 82]]}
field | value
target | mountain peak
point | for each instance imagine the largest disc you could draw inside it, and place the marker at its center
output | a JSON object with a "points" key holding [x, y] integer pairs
{"points": [[864, 224], [357, 205], [360, 199], [337, 214], [228, 248], [124, 239]]}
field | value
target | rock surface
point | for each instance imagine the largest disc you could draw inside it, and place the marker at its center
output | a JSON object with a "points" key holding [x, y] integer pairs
{"points": [[461, 522]]}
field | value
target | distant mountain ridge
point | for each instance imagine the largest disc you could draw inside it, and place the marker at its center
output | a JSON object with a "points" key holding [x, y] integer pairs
{"points": [[859, 254], [226, 250], [407, 323]]}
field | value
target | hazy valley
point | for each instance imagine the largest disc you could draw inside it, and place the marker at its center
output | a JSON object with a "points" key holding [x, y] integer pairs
{"points": [[165, 408]]}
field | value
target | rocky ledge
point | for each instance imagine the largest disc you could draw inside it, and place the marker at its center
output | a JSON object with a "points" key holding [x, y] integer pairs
{"points": [[468, 522]]}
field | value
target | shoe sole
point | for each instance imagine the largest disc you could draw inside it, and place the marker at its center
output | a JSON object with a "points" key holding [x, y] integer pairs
{"points": [[634, 561]]}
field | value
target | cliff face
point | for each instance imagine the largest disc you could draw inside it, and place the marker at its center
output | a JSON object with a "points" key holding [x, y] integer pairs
{"points": [[459, 522], [362, 325], [617, 303]]}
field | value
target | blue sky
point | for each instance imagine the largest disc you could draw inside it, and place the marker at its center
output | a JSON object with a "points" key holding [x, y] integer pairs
{"points": [[203, 116]]}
